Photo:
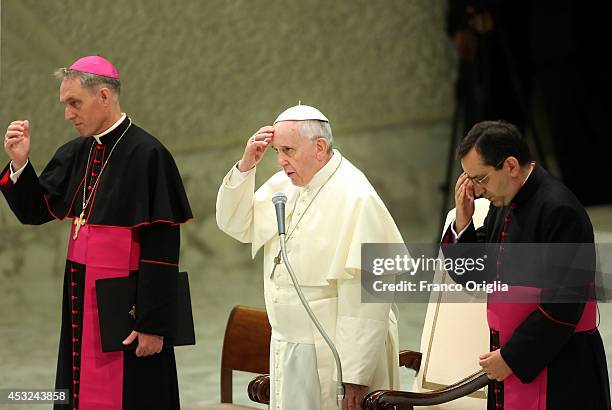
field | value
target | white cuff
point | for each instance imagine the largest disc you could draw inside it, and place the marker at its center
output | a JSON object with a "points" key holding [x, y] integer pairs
{"points": [[237, 177], [15, 174], [458, 235]]}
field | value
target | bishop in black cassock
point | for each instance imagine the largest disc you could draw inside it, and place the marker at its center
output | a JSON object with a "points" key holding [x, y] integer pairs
{"points": [[553, 349], [124, 196]]}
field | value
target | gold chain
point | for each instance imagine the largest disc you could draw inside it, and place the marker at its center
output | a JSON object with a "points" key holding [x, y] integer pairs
{"points": [[93, 189]]}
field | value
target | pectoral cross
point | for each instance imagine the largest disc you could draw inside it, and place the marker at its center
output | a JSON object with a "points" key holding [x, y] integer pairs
{"points": [[80, 221], [132, 312]]}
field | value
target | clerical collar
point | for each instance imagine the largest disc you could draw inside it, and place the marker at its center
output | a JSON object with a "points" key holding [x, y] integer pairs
{"points": [[530, 186], [324, 173], [110, 129]]}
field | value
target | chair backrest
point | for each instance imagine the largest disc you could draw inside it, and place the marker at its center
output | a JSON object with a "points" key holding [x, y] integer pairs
{"points": [[246, 346]]}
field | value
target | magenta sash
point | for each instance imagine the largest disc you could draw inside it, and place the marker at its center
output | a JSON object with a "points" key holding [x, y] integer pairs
{"points": [[106, 252], [505, 317]]}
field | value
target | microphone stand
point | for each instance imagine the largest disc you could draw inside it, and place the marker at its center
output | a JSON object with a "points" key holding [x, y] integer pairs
{"points": [[340, 386]]}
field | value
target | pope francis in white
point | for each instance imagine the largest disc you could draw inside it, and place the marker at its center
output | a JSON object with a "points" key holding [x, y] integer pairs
{"points": [[331, 210]]}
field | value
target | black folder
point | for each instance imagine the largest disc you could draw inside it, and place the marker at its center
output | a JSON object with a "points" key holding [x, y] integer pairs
{"points": [[117, 313]]}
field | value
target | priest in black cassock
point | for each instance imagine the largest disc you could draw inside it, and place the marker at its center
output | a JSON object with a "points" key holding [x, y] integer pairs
{"points": [[123, 194], [545, 353]]}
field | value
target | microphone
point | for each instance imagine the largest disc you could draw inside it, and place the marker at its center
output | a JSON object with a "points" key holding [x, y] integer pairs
{"points": [[279, 200]]}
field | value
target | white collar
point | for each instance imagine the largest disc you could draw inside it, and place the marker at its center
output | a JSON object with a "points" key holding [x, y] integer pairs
{"points": [[530, 171], [112, 127]]}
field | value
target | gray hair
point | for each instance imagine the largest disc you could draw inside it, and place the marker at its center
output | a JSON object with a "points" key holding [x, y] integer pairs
{"points": [[89, 80], [313, 129]]}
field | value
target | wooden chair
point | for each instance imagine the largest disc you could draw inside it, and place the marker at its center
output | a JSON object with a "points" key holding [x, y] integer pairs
{"points": [[259, 389], [246, 347]]}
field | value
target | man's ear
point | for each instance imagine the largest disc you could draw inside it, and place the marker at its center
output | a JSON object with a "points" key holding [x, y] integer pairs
{"points": [[513, 165], [105, 95], [321, 148]]}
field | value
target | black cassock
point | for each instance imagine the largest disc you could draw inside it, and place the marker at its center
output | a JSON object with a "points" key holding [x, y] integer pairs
{"points": [[554, 349], [133, 217]]}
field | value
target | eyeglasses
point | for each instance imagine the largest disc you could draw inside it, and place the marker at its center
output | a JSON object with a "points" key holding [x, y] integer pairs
{"points": [[481, 181]]}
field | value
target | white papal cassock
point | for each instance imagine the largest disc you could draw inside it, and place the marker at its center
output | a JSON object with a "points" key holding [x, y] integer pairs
{"points": [[327, 221]]}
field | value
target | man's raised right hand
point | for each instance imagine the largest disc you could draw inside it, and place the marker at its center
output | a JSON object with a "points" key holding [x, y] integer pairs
{"points": [[255, 148], [464, 202], [17, 143]]}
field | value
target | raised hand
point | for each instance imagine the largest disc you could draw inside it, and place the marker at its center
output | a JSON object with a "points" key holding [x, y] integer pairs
{"points": [[17, 142], [464, 202], [255, 148]]}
